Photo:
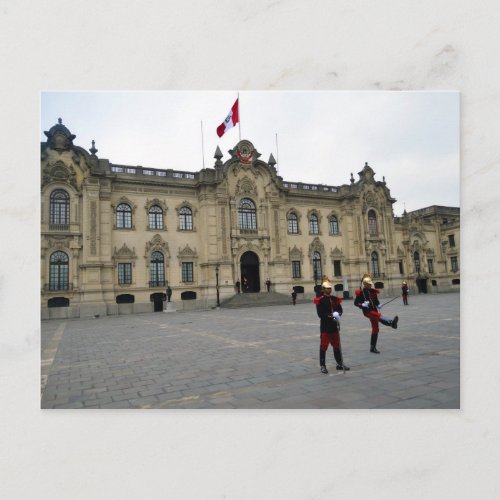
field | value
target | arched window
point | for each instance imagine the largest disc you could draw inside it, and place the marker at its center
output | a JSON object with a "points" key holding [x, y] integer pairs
{"points": [[123, 216], [293, 223], [374, 263], [318, 273], [313, 224], [157, 270], [416, 260], [185, 219], [59, 207], [58, 273], [334, 225], [247, 214], [372, 222], [155, 217]]}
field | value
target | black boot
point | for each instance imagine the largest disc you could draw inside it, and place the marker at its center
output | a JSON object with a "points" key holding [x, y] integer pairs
{"points": [[373, 344], [389, 322], [337, 353], [322, 364]]}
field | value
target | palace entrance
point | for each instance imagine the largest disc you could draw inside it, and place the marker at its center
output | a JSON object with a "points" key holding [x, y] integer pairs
{"points": [[249, 264]]}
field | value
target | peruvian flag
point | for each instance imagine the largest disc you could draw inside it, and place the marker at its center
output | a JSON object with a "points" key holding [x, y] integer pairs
{"points": [[230, 121]]}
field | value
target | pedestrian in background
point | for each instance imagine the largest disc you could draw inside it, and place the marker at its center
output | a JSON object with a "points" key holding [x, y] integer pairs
{"points": [[294, 297], [404, 290]]}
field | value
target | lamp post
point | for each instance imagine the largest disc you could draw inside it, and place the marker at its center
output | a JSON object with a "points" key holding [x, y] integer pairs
{"points": [[217, 283]]}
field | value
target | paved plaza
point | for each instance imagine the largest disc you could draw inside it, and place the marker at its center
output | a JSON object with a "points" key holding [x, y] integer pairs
{"points": [[261, 357]]}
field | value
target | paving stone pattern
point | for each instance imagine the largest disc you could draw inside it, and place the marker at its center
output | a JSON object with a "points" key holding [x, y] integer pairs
{"points": [[265, 357]]}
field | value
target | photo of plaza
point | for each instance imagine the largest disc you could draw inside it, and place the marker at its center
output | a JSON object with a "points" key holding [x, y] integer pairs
{"points": [[180, 263]]}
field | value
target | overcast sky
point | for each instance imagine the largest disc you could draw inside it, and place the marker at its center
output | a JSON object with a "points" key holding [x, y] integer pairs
{"points": [[411, 138]]}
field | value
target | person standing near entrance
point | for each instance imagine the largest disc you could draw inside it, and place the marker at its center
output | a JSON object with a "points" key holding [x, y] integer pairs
{"points": [[404, 290], [367, 300], [169, 293], [268, 284], [245, 284], [329, 310], [294, 297], [238, 286]]}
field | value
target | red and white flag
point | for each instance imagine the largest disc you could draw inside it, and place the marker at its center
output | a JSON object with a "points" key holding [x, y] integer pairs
{"points": [[230, 121]]}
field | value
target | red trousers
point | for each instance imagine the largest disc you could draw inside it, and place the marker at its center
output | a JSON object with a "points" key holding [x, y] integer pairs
{"points": [[329, 338], [373, 316]]}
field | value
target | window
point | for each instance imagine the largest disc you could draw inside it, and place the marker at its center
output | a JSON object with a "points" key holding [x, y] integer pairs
{"points": [[318, 273], [374, 263], [247, 214], [59, 208], [293, 224], [157, 270], [185, 219], [454, 264], [296, 269], [313, 224], [123, 216], [125, 273], [187, 271], [337, 270], [58, 273], [416, 260], [401, 269], [334, 225], [155, 217], [430, 265], [451, 240], [372, 222]]}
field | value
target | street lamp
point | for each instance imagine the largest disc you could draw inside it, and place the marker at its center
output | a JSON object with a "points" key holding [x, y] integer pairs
{"points": [[217, 283]]}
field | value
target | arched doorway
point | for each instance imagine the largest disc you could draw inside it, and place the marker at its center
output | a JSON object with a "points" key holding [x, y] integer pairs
{"points": [[250, 270]]}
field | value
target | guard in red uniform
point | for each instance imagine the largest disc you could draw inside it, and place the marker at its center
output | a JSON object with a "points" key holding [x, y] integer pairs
{"points": [[404, 291], [329, 309], [367, 300]]}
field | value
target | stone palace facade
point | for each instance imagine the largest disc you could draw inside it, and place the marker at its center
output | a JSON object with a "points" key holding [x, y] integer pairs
{"points": [[113, 237]]}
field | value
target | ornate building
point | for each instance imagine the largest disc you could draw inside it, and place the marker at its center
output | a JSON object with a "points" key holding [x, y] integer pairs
{"points": [[114, 236]]}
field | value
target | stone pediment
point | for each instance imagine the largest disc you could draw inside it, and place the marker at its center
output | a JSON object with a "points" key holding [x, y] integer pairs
{"points": [[157, 243], [124, 252], [295, 253], [336, 253], [187, 251]]}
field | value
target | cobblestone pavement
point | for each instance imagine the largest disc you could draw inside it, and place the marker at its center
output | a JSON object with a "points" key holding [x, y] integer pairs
{"points": [[265, 357]]}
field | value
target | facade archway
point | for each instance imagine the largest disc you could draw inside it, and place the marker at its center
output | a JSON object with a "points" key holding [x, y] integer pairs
{"points": [[250, 273]]}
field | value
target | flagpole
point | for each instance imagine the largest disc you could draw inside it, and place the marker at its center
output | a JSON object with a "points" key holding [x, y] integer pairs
{"points": [[239, 115], [277, 156], [202, 146]]}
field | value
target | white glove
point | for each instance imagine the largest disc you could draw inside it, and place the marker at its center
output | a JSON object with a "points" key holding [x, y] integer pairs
{"points": [[336, 315], [366, 303], [379, 306]]}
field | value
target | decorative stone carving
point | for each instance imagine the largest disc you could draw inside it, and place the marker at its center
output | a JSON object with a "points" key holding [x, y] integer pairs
{"points": [[246, 186], [59, 172]]}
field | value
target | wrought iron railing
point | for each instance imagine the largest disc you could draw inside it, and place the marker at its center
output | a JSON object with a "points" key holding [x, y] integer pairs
{"points": [[157, 283], [58, 227], [58, 287]]}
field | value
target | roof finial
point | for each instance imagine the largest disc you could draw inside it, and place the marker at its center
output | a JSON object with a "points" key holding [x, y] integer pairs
{"points": [[93, 150], [59, 121], [352, 178]]}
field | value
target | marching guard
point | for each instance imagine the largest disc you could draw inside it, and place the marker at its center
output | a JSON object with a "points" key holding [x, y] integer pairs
{"points": [[329, 310], [367, 300]]}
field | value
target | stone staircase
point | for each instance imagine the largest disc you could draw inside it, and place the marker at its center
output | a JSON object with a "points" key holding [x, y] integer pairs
{"points": [[258, 299]]}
